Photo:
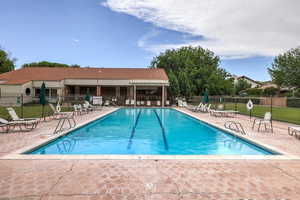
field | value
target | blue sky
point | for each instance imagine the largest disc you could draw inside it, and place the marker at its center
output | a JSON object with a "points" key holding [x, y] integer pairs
{"points": [[115, 33]]}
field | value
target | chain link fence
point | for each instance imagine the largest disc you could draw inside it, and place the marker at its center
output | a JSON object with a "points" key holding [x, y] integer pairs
{"points": [[282, 108]]}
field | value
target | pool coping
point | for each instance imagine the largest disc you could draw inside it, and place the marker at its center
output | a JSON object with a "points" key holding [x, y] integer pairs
{"points": [[18, 154]]}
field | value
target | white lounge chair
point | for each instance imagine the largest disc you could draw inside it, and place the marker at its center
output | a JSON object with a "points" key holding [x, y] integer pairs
{"points": [[127, 102], [148, 103], [28, 125], [142, 103], [92, 106], [184, 104], [267, 120], [138, 103], [15, 117], [293, 130], [57, 114], [87, 107]]}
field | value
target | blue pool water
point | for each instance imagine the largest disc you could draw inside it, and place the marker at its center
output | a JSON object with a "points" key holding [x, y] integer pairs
{"points": [[149, 132]]}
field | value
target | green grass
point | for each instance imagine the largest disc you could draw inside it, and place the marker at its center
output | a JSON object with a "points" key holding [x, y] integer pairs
{"points": [[286, 114], [34, 111]]}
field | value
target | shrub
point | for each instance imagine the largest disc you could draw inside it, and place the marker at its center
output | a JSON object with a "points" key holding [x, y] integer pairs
{"points": [[254, 92], [270, 91]]}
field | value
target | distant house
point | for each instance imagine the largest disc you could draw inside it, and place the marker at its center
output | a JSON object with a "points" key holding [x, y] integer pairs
{"points": [[253, 83], [121, 83]]}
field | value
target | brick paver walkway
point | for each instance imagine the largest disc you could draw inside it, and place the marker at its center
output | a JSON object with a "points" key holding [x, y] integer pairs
{"points": [[148, 179]]}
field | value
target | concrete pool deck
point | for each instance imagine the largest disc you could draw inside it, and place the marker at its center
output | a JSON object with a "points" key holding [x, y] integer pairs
{"points": [[150, 179]]}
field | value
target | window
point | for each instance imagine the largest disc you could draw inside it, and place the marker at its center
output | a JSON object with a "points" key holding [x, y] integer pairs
{"points": [[27, 91]]}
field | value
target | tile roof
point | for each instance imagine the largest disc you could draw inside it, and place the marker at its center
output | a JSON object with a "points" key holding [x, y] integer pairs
{"points": [[24, 75]]}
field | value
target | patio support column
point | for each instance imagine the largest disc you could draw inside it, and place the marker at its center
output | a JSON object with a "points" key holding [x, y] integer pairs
{"points": [[98, 90], [163, 96], [134, 94], [118, 92]]}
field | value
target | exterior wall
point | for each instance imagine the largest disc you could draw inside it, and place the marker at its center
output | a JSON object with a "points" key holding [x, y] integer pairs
{"points": [[95, 82], [49, 84]]}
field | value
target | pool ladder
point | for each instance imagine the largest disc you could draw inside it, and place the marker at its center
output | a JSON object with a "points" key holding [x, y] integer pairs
{"points": [[66, 118], [235, 126]]}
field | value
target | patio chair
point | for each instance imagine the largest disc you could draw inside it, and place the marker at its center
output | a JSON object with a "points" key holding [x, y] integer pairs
{"points": [[106, 103], [127, 102], [87, 107], [167, 103], [179, 103], [28, 125], [142, 103], [267, 120], [184, 104], [15, 117], [148, 103], [158, 103], [138, 103], [293, 130], [132, 102]]}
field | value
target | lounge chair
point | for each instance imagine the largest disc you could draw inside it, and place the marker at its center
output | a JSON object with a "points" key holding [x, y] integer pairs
{"points": [[184, 104], [57, 114], [148, 103], [127, 102], [293, 130], [15, 117], [194, 108], [142, 103], [92, 106], [138, 103], [28, 125], [222, 113], [82, 109], [267, 120]]}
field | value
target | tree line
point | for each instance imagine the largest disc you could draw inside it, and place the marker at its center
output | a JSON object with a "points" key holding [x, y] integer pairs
{"points": [[193, 70]]}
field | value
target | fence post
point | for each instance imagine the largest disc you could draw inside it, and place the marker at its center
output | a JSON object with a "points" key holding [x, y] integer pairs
{"points": [[235, 100], [22, 116], [271, 109]]}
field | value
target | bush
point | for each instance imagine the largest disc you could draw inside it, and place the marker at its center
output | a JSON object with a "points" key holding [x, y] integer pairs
{"points": [[297, 92], [270, 91], [254, 92]]}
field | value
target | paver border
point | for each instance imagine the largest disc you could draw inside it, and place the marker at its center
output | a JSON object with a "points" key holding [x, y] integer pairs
{"points": [[18, 154]]}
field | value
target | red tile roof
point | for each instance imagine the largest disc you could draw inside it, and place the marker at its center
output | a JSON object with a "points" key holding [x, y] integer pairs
{"points": [[24, 75]]}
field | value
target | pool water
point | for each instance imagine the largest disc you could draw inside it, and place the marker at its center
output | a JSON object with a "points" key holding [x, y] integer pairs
{"points": [[149, 131]]}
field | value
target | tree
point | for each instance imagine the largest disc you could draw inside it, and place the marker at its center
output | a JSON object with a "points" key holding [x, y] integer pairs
{"points": [[241, 85], [285, 70], [48, 64], [6, 64], [196, 70], [174, 89]]}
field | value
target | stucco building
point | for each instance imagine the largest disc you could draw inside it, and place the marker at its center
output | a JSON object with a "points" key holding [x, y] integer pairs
{"points": [[120, 83]]}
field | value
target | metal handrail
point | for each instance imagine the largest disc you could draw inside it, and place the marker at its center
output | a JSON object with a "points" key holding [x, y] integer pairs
{"points": [[237, 127]]}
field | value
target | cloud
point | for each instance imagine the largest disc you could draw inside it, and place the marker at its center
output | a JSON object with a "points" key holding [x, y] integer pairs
{"points": [[231, 28], [75, 40]]}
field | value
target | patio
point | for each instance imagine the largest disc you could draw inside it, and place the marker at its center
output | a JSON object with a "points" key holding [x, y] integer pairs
{"points": [[151, 179]]}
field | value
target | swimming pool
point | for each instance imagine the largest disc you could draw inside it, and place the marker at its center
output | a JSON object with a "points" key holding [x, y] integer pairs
{"points": [[149, 131]]}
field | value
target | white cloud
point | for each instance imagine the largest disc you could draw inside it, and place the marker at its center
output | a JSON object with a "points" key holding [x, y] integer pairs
{"points": [[231, 28], [75, 40]]}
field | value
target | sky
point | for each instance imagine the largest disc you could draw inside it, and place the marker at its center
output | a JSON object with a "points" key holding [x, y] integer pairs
{"points": [[246, 34]]}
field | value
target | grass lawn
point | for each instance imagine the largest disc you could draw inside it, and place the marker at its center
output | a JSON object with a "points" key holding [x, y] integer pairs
{"points": [[34, 111], [286, 114]]}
